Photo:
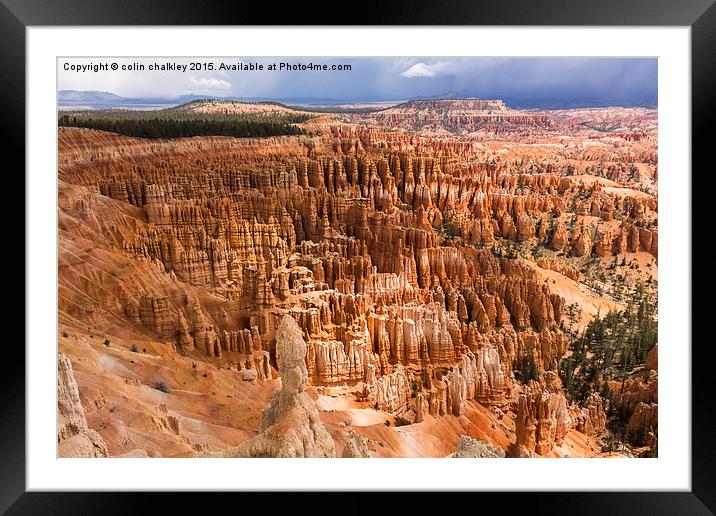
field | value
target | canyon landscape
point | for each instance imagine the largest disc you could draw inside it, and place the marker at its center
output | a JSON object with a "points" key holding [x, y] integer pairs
{"points": [[448, 277]]}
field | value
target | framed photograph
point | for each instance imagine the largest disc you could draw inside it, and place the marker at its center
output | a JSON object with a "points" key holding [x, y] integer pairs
{"points": [[336, 258]]}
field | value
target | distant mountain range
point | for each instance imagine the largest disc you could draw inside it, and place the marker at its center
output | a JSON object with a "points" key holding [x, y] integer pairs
{"points": [[542, 103], [88, 96], [68, 99], [586, 102], [74, 99]]}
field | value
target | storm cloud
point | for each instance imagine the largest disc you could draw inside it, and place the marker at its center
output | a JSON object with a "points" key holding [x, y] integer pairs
{"points": [[618, 80]]}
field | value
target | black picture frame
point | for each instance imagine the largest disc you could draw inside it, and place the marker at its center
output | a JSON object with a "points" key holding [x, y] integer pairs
{"points": [[16, 15]]}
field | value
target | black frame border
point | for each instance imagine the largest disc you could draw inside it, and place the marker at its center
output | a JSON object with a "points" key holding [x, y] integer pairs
{"points": [[700, 15]]}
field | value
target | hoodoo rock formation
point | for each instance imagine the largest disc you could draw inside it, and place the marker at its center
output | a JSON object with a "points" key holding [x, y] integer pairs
{"points": [[544, 417], [415, 271], [637, 402], [290, 426], [74, 438]]}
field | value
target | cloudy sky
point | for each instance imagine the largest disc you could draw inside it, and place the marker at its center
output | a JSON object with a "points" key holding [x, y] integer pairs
{"points": [[632, 80]]}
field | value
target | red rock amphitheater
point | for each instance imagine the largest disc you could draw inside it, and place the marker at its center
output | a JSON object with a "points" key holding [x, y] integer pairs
{"points": [[384, 279]]}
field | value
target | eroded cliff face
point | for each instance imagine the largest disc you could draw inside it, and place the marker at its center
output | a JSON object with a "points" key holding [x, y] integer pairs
{"points": [[458, 116], [398, 256]]}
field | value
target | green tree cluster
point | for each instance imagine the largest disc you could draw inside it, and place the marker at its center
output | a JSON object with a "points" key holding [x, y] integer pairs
{"points": [[177, 124], [610, 347]]}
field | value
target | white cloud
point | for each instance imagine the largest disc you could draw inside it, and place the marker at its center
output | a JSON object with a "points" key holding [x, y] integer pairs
{"points": [[142, 83], [204, 85], [426, 70]]}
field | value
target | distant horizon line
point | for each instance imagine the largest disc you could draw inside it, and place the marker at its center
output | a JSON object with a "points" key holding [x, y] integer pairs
{"points": [[603, 102]]}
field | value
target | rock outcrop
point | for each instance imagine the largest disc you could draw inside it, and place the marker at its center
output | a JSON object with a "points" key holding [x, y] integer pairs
{"points": [[643, 423], [356, 446], [637, 402], [290, 426], [469, 448], [74, 438], [590, 418], [542, 417]]}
